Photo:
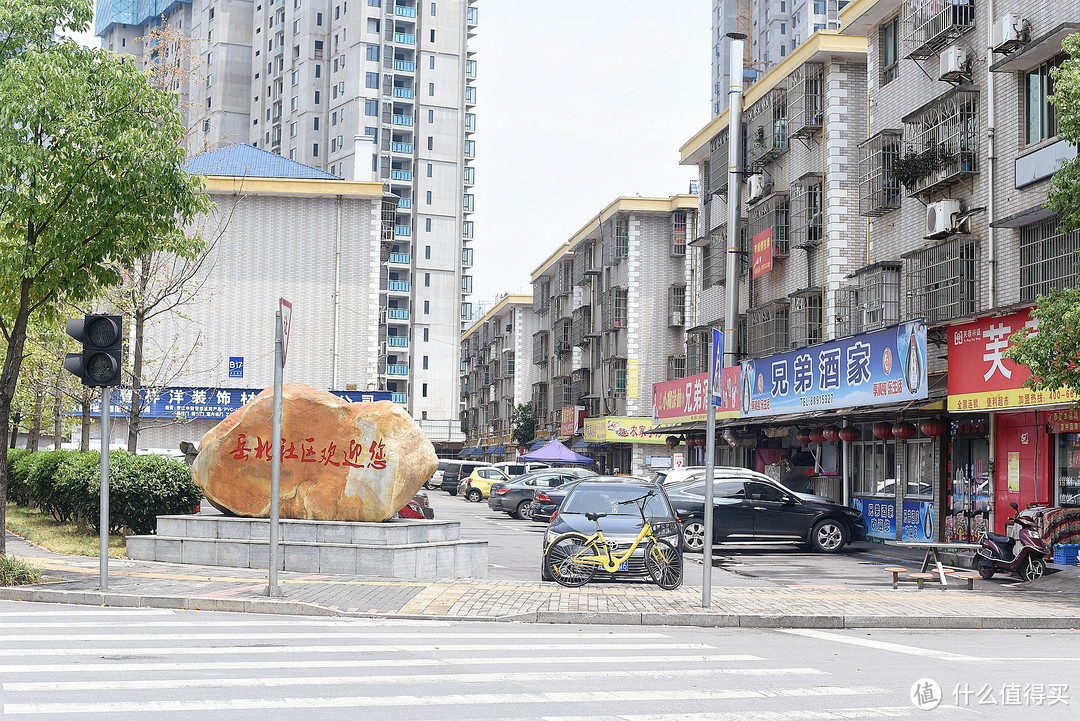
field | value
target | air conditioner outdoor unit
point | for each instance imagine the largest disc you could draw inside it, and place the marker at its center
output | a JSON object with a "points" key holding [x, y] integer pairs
{"points": [[953, 63], [1008, 33], [939, 217], [676, 318], [757, 186]]}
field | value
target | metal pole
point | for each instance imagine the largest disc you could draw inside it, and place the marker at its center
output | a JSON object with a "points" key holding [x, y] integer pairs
{"points": [[275, 464], [731, 299], [103, 520], [710, 451]]}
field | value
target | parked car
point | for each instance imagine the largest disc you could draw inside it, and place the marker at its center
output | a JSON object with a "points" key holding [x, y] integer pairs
{"points": [[546, 503], [515, 497], [477, 486], [622, 524], [751, 507], [454, 472], [436, 478], [513, 469], [417, 507], [676, 475]]}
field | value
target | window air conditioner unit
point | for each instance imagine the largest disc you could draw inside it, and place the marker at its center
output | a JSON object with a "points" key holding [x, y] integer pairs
{"points": [[757, 186], [1008, 33], [939, 217], [953, 63]]}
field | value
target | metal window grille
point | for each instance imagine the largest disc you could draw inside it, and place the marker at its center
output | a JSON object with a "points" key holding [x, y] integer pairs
{"points": [[951, 125], [767, 329], [581, 325], [676, 305], [539, 399], [717, 175], [622, 238], [772, 212], [541, 296], [709, 251], [560, 392], [766, 127], [807, 220], [616, 375], [540, 348], [678, 233], [580, 383], [879, 295], [563, 282], [613, 309], [578, 276], [1047, 258], [697, 353], [944, 279], [846, 303], [806, 314], [560, 338], [926, 26], [806, 99], [879, 191], [676, 367]]}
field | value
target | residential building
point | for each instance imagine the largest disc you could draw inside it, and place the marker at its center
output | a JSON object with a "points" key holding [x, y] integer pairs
{"points": [[497, 374], [381, 90]]}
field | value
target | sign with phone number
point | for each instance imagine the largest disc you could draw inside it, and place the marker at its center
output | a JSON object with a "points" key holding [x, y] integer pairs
{"points": [[916, 523]]}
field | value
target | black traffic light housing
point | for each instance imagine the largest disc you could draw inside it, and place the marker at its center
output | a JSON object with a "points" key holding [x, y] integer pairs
{"points": [[100, 363]]}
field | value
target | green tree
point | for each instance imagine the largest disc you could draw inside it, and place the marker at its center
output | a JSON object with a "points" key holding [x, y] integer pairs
{"points": [[91, 158], [1064, 195], [523, 421]]}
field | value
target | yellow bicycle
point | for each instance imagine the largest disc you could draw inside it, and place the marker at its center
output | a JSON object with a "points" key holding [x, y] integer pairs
{"points": [[572, 559]]}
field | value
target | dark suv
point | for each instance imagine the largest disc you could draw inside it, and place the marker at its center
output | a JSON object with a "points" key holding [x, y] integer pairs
{"points": [[455, 472]]}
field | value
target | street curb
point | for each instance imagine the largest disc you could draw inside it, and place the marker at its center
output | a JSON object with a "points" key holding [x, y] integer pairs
{"points": [[613, 618]]}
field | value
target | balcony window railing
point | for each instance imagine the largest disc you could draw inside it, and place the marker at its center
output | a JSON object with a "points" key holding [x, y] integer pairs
{"points": [[879, 295], [541, 296], [926, 26], [806, 316], [401, 175], [1047, 258], [400, 258], [540, 347], [771, 213], [697, 353], [403, 92], [405, 12], [404, 202], [397, 313], [405, 66], [466, 257], [807, 220], [944, 279], [399, 398], [677, 305], [402, 120], [398, 341], [717, 177], [806, 100], [676, 367], [948, 131], [581, 326], [766, 127], [879, 191], [397, 369], [767, 329], [405, 38], [678, 233], [402, 230], [399, 286]]}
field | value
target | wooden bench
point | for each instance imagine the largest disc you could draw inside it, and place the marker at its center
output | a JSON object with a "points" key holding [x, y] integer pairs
{"points": [[970, 578], [921, 577], [896, 571]]}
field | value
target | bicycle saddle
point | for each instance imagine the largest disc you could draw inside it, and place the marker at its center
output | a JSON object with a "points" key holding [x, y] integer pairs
{"points": [[594, 516]]}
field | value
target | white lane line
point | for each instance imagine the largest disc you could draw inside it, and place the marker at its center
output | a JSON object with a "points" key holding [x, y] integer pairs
{"points": [[269, 682], [514, 699], [258, 619], [869, 712], [881, 645], [343, 633], [277, 648], [90, 611], [494, 661]]}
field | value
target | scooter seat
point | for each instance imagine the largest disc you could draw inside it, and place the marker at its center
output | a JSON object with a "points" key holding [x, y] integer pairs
{"points": [[998, 538]]}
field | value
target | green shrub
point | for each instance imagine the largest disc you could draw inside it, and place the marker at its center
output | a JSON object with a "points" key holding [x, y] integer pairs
{"points": [[16, 572], [19, 463], [50, 498]]}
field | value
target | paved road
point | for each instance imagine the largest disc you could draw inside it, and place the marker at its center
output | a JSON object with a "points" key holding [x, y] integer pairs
{"points": [[72, 662]]}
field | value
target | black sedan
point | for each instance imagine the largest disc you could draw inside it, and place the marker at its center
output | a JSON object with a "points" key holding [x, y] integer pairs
{"points": [[621, 525], [750, 507], [546, 502], [515, 497]]}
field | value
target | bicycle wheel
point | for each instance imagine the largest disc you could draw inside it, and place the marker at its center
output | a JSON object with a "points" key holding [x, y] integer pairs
{"points": [[561, 562], [664, 564]]}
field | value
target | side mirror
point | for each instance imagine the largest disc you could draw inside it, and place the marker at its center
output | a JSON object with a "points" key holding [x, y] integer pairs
{"points": [[1014, 506]]}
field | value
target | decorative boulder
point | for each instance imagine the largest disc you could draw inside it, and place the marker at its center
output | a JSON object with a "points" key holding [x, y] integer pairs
{"points": [[340, 461]]}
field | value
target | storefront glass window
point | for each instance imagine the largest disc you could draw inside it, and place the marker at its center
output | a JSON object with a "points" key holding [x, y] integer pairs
{"points": [[872, 468], [920, 468], [967, 505], [1068, 469]]}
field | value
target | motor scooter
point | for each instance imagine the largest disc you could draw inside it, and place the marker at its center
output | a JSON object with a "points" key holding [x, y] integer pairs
{"points": [[1022, 551]]}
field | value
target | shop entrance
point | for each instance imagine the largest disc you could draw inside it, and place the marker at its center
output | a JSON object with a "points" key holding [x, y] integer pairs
{"points": [[968, 501]]}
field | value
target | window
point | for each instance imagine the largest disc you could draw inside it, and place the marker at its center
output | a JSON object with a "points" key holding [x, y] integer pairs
{"points": [[944, 279], [889, 48], [295, 77], [318, 19], [433, 35], [371, 80], [427, 280], [371, 107], [337, 12], [1040, 118], [210, 35], [315, 123], [1047, 258], [296, 51], [427, 225], [807, 220], [429, 170], [316, 97], [373, 52], [208, 101], [806, 317], [315, 150], [423, 391], [209, 80], [950, 128], [211, 13], [424, 363], [292, 130], [429, 197], [427, 307], [425, 335], [678, 235], [819, 7], [431, 62], [466, 284], [431, 88], [767, 330], [296, 26], [433, 9], [431, 115], [318, 71], [920, 470], [333, 118], [430, 142], [873, 467], [427, 252], [771, 215]]}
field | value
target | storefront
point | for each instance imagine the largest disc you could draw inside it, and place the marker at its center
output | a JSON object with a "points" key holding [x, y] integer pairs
{"points": [[625, 444], [680, 411]]}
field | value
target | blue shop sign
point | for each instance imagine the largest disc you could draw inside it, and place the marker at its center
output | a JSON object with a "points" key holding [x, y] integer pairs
{"points": [[189, 402], [883, 366], [917, 523], [880, 515], [236, 366]]}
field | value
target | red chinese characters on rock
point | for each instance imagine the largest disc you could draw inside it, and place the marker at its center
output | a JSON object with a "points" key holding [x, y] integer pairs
{"points": [[327, 454]]}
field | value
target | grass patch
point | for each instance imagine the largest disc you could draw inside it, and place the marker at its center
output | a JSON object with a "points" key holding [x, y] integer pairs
{"points": [[58, 537], [17, 572]]}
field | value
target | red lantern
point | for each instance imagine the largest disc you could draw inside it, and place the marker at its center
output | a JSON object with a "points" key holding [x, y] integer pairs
{"points": [[672, 441], [883, 430], [904, 430], [817, 435], [831, 433], [850, 434], [802, 435], [932, 427]]}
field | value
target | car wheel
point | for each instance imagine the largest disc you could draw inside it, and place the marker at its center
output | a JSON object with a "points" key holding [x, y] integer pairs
{"points": [[474, 495], [523, 510], [986, 570], [693, 535], [1034, 568], [664, 564], [828, 536]]}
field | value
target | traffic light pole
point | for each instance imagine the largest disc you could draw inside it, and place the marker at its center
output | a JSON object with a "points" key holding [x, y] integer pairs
{"points": [[272, 589], [103, 525]]}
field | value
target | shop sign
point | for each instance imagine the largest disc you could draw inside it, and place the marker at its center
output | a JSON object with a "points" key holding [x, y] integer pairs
{"points": [[1014, 471], [632, 378], [982, 378], [917, 523], [658, 461], [880, 515], [621, 429], [763, 252], [884, 366], [189, 402], [570, 419], [1067, 421], [686, 400]]}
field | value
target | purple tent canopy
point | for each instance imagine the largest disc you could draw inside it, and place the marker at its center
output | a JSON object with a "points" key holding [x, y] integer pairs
{"points": [[555, 452]]}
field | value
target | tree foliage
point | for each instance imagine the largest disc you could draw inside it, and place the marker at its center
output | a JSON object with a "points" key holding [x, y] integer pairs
{"points": [[523, 421], [91, 158], [1064, 195]]}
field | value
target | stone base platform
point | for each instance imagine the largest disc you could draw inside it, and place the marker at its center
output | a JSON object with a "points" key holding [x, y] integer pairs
{"points": [[398, 548]]}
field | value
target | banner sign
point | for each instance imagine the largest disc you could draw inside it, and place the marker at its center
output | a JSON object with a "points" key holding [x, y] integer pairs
{"points": [[621, 429], [917, 523], [880, 515], [763, 252], [988, 379], [189, 402], [1064, 421], [686, 400], [570, 419], [883, 366], [632, 378]]}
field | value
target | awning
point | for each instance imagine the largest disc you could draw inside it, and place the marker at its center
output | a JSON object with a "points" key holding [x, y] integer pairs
{"points": [[472, 452], [495, 449], [695, 427], [537, 444]]}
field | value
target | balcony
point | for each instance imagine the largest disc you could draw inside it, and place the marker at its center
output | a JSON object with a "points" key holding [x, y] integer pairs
{"points": [[401, 175], [402, 120], [399, 286], [403, 93], [402, 230], [926, 26], [403, 258], [397, 341], [401, 148], [405, 66], [942, 136], [405, 38], [402, 398], [397, 369], [472, 16], [397, 313], [404, 12], [404, 202]]}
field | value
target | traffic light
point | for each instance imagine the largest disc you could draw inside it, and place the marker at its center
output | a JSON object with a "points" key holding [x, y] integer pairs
{"points": [[101, 336]]}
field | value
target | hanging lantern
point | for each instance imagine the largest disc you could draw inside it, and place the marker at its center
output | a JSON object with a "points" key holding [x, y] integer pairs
{"points": [[904, 430], [672, 441], [883, 430], [802, 435], [932, 427], [817, 435], [831, 433], [850, 434]]}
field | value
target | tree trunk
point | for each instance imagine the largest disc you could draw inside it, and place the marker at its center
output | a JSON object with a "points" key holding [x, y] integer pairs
{"points": [[15, 418], [135, 408], [58, 417], [9, 381], [35, 427]]}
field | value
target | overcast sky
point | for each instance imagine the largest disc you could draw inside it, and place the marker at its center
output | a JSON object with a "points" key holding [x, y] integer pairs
{"points": [[577, 104]]}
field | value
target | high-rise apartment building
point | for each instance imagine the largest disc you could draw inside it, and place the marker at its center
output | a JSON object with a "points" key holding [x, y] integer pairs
{"points": [[376, 90]]}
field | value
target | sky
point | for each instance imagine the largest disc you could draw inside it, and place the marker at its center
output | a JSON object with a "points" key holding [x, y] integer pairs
{"points": [[577, 104]]}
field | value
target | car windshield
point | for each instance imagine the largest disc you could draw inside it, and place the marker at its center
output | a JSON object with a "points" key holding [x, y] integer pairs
{"points": [[607, 499]]}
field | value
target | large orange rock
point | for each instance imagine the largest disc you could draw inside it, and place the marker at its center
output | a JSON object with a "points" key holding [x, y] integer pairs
{"points": [[340, 461]]}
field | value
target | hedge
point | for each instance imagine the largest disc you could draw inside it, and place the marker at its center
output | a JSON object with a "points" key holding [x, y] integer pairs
{"points": [[66, 484]]}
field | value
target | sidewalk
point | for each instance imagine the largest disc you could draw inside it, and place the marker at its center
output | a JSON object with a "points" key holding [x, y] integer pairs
{"points": [[74, 579]]}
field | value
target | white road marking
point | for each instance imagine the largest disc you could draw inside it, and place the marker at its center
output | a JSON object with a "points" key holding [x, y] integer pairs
{"points": [[268, 682], [392, 702], [540, 634], [792, 715], [881, 645], [247, 665]]}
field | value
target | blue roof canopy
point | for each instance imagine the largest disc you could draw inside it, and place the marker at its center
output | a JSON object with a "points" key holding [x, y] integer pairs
{"points": [[246, 161]]}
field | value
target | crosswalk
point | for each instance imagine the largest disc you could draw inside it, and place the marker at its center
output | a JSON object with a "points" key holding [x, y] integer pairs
{"points": [[71, 662]]}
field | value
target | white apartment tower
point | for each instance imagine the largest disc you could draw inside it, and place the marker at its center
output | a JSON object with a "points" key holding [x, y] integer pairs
{"points": [[367, 90]]}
